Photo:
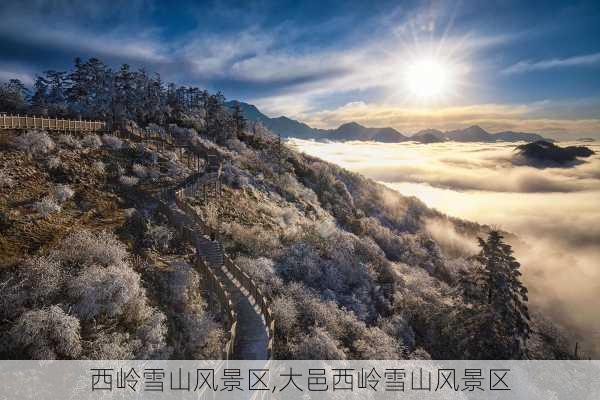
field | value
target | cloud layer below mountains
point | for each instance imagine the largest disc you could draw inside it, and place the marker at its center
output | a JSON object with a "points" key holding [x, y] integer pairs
{"points": [[554, 211]]}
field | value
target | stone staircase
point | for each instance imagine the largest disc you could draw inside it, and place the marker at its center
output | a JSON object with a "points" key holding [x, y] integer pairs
{"points": [[211, 251]]}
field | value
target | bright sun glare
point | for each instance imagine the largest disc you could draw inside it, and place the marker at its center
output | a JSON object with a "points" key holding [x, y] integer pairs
{"points": [[428, 79]]}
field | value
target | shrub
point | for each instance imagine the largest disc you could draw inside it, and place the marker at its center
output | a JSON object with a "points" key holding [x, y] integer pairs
{"points": [[175, 170], [108, 292], [140, 171], [171, 155], [153, 173], [91, 141], [111, 346], [69, 141], [120, 170], [262, 271], [195, 334], [34, 142], [153, 333], [374, 344], [48, 333], [54, 163], [129, 181], [182, 133], [159, 235], [290, 185], [318, 345], [398, 327], [285, 313], [85, 248], [42, 278], [153, 129], [210, 215], [5, 179], [62, 193], [112, 142], [256, 240], [46, 206], [99, 167]]}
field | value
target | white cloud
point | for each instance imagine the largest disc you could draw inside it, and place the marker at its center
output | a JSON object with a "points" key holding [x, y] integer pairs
{"points": [[6, 75], [576, 61]]}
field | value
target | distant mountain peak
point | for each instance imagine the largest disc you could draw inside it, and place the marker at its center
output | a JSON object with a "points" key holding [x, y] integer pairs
{"points": [[288, 127], [351, 124], [476, 128]]}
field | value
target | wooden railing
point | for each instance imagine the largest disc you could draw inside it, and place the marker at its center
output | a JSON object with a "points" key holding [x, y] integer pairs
{"points": [[242, 277], [52, 124], [224, 299], [261, 299], [214, 285]]}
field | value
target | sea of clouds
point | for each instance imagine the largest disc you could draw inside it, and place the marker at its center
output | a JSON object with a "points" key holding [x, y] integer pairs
{"points": [[554, 211]]}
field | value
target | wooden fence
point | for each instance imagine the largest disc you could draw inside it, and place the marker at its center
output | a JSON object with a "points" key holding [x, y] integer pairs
{"points": [[261, 299], [215, 286], [212, 283], [52, 124], [242, 277]]}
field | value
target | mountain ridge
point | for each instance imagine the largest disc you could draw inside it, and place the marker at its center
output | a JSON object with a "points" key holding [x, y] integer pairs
{"points": [[291, 128]]}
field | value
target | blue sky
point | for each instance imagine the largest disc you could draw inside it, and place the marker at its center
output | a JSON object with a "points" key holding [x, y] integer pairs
{"points": [[518, 65]]}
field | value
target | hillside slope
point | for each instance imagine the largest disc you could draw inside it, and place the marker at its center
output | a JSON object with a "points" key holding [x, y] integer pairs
{"points": [[354, 269]]}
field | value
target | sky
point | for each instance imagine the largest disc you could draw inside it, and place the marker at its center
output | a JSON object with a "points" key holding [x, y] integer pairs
{"points": [[527, 66]]}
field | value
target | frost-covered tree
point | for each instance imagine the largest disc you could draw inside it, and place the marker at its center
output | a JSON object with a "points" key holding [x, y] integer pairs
{"points": [[57, 83], [13, 96], [128, 181], [496, 317]]}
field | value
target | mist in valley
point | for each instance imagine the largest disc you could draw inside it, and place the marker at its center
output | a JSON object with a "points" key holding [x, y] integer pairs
{"points": [[554, 213]]}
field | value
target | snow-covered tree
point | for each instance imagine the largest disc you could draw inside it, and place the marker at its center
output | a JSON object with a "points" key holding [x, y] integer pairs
{"points": [[496, 318]]}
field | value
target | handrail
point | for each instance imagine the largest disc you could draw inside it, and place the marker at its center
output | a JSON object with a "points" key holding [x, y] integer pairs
{"points": [[225, 300], [214, 285], [52, 124], [242, 277]]}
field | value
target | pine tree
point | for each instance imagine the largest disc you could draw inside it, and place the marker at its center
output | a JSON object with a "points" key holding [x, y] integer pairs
{"points": [[39, 100], [13, 96], [495, 319], [57, 99], [239, 122]]}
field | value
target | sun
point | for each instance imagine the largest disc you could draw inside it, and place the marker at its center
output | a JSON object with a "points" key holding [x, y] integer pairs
{"points": [[428, 79]]}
